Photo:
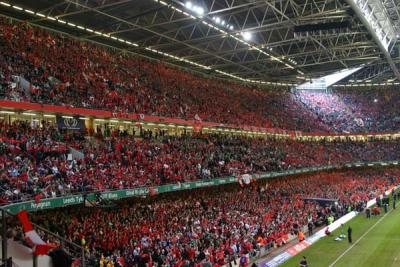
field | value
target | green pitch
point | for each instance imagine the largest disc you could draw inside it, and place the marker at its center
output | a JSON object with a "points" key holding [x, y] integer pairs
{"points": [[376, 243]]}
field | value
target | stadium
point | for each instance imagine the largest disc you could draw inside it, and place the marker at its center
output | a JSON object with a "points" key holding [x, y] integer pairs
{"points": [[199, 133]]}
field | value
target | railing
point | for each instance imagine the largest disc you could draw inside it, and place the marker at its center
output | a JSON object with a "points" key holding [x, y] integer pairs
{"points": [[282, 133], [75, 199]]}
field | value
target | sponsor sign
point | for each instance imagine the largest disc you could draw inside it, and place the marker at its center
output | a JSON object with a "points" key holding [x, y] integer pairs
{"points": [[51, 203], [296, 249], [70, 123], [277, 260]]}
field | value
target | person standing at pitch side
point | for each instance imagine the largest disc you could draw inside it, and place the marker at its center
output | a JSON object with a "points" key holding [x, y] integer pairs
{"points": [[349, 232]]}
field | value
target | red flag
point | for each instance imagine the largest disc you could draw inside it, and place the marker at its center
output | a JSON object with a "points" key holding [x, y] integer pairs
{"points": [[43, 249], [99, 186], [121, 261], [23, 218], [39, 246], [38, 197], [152, 191], [24, 176]]}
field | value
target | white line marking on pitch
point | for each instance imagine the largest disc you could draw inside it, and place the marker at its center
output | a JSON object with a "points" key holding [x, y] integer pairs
{"points": [[358, 240]]}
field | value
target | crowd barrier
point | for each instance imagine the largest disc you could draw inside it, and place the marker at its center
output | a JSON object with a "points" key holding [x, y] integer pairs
{"points": [[57, 202]]}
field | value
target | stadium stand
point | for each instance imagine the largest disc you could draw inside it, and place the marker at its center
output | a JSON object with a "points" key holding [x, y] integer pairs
{"points": [[214, 225], [64, 71], [35, 160], [355, 110], [205, 227]]}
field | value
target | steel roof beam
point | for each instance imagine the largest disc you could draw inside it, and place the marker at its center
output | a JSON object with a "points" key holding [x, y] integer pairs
{"points": [[240, 66], [367, 25]]}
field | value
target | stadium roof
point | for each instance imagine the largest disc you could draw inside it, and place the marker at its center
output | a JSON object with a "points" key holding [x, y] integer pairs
{"points": [[247, 40]]}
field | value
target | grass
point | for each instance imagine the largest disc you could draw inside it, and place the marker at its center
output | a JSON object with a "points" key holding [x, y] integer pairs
{"points": [[380, 247]]}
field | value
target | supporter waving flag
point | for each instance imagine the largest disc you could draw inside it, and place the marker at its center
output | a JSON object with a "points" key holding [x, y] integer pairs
{"points": [[37, 198], [121, 261], [39, 246], [245, 179], [152, 191], [197, 117]]}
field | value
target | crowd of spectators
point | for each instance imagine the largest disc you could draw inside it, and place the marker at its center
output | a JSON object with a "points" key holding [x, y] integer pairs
{"points": [[212, 226], [355, 110], [209, 227], [64, 71], [36, 158]]}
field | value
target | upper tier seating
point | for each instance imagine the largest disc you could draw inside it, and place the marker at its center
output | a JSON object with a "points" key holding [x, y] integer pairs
{"points": [[65, 71]]}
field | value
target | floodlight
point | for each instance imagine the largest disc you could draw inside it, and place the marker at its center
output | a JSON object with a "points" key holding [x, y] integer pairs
{"points": [[199, 10], [246, 36], [189, 5]]}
